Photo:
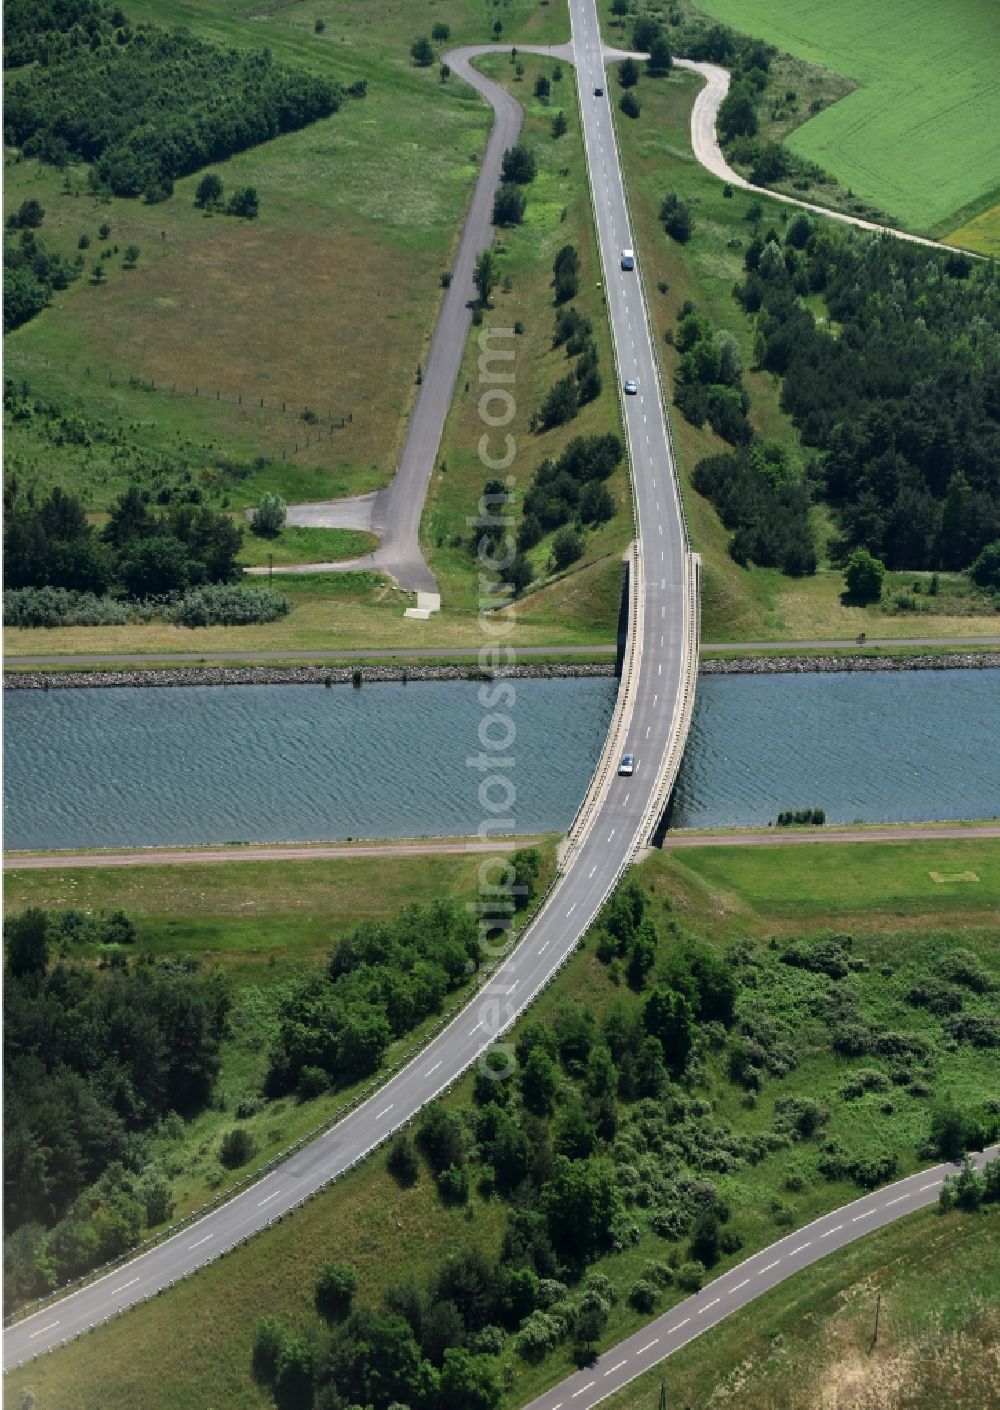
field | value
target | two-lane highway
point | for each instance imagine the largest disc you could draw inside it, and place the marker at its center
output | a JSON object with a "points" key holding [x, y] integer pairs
{"points": [[659, 675], [750, 1279]]}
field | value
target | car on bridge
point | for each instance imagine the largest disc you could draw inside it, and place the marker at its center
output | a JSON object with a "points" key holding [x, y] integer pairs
{"points": [[627, 765], [631, 387]]}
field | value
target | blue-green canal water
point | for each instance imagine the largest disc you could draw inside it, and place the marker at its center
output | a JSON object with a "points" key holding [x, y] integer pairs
{"points": [[111, 768]]}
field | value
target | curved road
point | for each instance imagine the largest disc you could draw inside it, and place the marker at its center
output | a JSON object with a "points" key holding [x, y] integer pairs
{"points": [[602, 846], [748, 1280]]}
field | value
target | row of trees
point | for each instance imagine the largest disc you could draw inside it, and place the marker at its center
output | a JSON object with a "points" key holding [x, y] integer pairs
{"points": [[518, 169], [139, 553], [382, 980], [901, 400], [92, 1059], [144, 106]]}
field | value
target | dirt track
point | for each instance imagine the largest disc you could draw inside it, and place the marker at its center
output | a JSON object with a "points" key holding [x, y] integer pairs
{"points": [[772, 837]]}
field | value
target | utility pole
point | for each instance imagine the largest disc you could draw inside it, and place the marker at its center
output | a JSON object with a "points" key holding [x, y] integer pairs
{"points": [[663, 1395], [878, 1307]]}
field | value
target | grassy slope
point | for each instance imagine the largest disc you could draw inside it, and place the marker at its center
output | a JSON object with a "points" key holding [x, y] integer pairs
{"points": [[305, 545], [807, 1344], [198, 1335], [262, 923], [558, 213], [904, 138], [739, 603]]}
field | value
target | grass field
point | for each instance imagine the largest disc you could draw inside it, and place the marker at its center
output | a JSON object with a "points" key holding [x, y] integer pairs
{"points": [[807, 1345], [755, 604], [261, 923], [305, 545], [558, 213], [198, 1335], [777, 890], [982, 233], [920, 136]]}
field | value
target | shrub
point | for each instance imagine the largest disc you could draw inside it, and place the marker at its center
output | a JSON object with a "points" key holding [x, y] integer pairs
{"points": [[238, 1146], [643, 1295], [335, 1287], [630, 104], [269, 516], [567, 547], [60, 607], [227, 605], [863, 576], [401, 1161], [508, 205], [690, 1276]]}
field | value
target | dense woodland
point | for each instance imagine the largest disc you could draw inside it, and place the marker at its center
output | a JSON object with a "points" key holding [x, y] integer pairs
{"points": [[141, 105], [93, 1060], [889, 360], [603, 1130], [141, 552]]}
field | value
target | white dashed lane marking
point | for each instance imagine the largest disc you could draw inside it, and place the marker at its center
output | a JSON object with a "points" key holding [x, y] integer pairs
{"points": [[835, 1230]]}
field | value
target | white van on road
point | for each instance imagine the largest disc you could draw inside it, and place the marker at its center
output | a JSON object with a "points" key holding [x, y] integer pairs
{"points": [[628, 259]]}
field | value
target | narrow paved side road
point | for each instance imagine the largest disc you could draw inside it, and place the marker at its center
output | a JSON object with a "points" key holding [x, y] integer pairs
{"points": [[743, 1284]]}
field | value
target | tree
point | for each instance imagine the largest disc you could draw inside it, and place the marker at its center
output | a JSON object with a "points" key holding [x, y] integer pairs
{"points": [[269, 516], [706, 1238], [575, 1135], [567, 547], [667, 1016], [630, 105], [401, 1161], [335, 1287], [238, 1146], [444, 73], [542, 87], [660, 59], [738, 113], [538, 1082], [628, 73], [27, 942], [559, 124], [580, 1202], [28, 216], [131, 256], [519, 165], [863, 576], [470, 1381], [422, 53], [566, 274], [155, 567], [985, 572], [619, 8], [485, 276], [508, 205], [244, 202], [949, 1128], [98, 276], [561, 404], [441, 33], [208, 192], [676, 217]]}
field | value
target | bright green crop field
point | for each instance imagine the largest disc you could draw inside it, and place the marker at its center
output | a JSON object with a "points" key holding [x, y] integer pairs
{"points": [[920, 137]]}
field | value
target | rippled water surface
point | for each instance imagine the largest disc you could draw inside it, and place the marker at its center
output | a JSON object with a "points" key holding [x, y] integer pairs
{"points": [[108, 768], [882, 746]]}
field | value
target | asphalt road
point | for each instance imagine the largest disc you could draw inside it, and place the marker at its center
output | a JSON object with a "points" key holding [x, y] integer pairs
{"points": [[600, 853], [741, 1285]]}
